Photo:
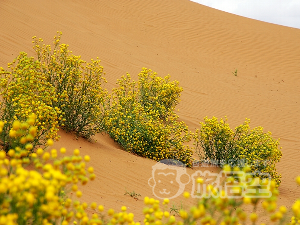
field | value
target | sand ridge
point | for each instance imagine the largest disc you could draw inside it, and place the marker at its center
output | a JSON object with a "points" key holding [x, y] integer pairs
{"points": [[198, 46]]}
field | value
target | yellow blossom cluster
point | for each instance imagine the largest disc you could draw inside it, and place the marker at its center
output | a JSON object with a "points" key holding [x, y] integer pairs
{"points": [[78, 86], [157, 93], [214, 138], [260, 150], [215, 141], [151, 132], [37, 196], [22, 136], [25, 90]]}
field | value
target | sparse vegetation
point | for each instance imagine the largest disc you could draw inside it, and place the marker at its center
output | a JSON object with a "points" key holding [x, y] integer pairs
{"points": [[174, 210], [235, 72], [133, 194]]}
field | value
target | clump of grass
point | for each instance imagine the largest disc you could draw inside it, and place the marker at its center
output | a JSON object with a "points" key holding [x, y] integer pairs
{"points": [[133, 194], [175, 209], [235, 72]]}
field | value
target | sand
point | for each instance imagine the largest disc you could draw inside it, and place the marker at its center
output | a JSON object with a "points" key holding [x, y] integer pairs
{"points": [[198, 46]]}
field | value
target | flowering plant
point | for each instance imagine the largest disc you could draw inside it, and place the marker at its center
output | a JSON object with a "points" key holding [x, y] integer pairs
{"points": [[149, 129], [25, 90], [78, 86]]}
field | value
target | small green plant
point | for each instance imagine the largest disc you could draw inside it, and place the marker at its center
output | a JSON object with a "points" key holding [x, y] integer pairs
{"points": [[176, 209], [235, 72], [133, 194]]}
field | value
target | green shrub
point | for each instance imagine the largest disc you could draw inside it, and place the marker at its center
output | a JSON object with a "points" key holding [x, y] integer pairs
{"points": [[220, 144], [141, 130], [78, 86], [157, 93], [25, 90]]}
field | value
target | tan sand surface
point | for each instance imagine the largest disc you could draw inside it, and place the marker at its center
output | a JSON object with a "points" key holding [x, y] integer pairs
{"points": [[198, 46]]}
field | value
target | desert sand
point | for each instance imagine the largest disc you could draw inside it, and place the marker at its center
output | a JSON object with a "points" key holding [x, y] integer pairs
{"points": [[198, 46]]}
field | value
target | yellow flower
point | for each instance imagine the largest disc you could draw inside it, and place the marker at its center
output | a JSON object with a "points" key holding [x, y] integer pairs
{"points": [[78, 194], [16, 125], [199, 180], [2, 155], [253, 217], [50, 142], [76, 152], [100, 208], [87, 158], [186, 194], [247, 200], [166, 201], [110, 212], [28, 146]]}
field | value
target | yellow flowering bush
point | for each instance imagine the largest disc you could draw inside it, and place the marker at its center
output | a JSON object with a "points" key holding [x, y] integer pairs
{"points": [[141, 129], [215, 139], [260, 150], [157, 93], [25, 90], [36, 196], [78, 86], [219, 143]]}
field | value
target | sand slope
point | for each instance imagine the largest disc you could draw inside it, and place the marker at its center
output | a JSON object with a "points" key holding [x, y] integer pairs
{"points": [[198, 46]]}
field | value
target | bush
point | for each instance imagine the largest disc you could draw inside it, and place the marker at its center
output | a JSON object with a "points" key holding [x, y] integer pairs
{"points": [[139, 128], [25, 90], [242, 146], [157, 93], [215, 139], [78, 86], [260, 150]]}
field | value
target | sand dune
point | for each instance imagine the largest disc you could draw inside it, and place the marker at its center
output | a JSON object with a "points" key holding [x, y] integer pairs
{"points": [[198, 46]]}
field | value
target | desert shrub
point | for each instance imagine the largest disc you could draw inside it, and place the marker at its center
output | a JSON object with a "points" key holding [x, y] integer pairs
{"points": [[215, 139], [78, 86], [219, 143], [157, 93], [25, 90], [260, 150], [141, 130]]}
